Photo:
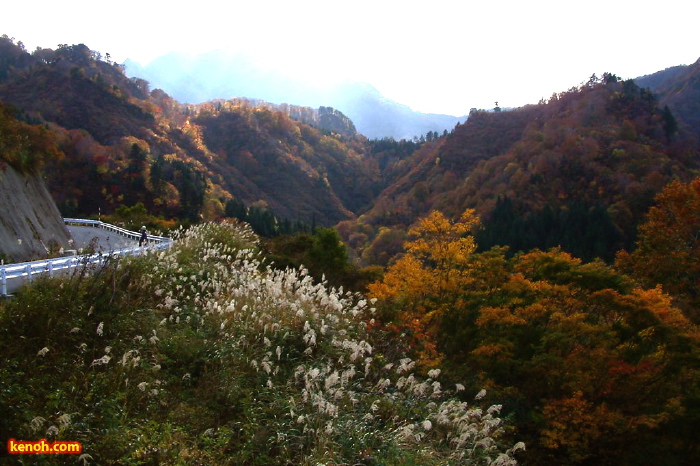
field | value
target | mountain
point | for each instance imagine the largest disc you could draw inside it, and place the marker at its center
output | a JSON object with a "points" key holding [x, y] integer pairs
{"points": [[266, 158], [123, 144], [218, 75], [324, 118], [578, 171], [678, 88], [378, 117], [655, 80]]}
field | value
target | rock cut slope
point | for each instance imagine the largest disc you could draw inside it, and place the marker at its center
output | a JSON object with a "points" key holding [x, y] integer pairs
{"points": [[30, 223]]}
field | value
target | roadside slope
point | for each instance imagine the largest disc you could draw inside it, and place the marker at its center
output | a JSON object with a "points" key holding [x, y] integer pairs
{"points": [[30, 224]]}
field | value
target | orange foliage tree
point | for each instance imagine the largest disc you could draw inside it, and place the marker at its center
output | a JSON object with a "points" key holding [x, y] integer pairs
{"points": [[590, 364], [425, 280], [668, 247]]}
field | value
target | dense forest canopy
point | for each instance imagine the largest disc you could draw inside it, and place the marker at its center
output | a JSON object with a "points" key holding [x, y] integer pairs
{"points": [[594, 367]]}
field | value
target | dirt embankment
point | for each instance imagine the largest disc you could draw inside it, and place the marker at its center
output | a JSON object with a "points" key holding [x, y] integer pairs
{"points": [[30, 224]]}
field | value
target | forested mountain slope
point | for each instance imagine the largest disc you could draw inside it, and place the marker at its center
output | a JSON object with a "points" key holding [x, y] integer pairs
{"points": [[296, 169], [125, 144], [679, 88], [603, 149]]}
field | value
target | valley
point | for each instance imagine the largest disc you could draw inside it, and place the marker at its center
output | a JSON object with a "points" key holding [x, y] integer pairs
{"points": [[337, 294]]}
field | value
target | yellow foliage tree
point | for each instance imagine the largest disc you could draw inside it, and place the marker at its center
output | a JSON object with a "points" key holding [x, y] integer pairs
{"points": [[426, 280]]}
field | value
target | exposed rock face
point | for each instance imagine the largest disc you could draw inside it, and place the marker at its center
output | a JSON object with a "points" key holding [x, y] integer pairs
{"points": [[334, 120], [30, 223]]}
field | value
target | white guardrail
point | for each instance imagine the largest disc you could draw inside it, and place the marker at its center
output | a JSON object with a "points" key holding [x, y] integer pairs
{"points": [[25, 270]]}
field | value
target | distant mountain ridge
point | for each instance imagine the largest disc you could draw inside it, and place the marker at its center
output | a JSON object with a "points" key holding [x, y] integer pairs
{"points": [[217, 75], [325, 118], [678, 87]]}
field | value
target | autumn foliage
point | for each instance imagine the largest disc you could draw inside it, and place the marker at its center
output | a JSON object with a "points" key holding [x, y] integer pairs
{"points": [[592, 365], [27, 148], [578, 170], [426, 279], [668, 248]]}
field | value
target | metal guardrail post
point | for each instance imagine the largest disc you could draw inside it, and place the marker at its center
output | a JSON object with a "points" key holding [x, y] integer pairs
{"points": [[4, 282]]}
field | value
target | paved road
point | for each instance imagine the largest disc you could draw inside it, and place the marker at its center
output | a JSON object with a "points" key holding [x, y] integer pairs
{"points": [[105, 240], [83, 237]]}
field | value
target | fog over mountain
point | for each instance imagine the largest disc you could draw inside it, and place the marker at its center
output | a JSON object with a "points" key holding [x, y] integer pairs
{"points": [[218, 75]]}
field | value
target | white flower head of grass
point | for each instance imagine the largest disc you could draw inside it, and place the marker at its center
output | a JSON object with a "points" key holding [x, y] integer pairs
{"points": [[332, 380], [127, 356], [266, 366], [101, 361], [64, 420], [36, 423], [405, 365]]}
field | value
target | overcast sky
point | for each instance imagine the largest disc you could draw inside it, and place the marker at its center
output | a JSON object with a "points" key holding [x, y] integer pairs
{"points": [[435, 56]]}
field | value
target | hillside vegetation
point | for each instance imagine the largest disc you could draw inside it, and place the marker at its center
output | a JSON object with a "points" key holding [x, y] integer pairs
{"points": [[547, 254], [679, 89], [593, 367], [577, 171], [124, 144], [204, 355]]}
